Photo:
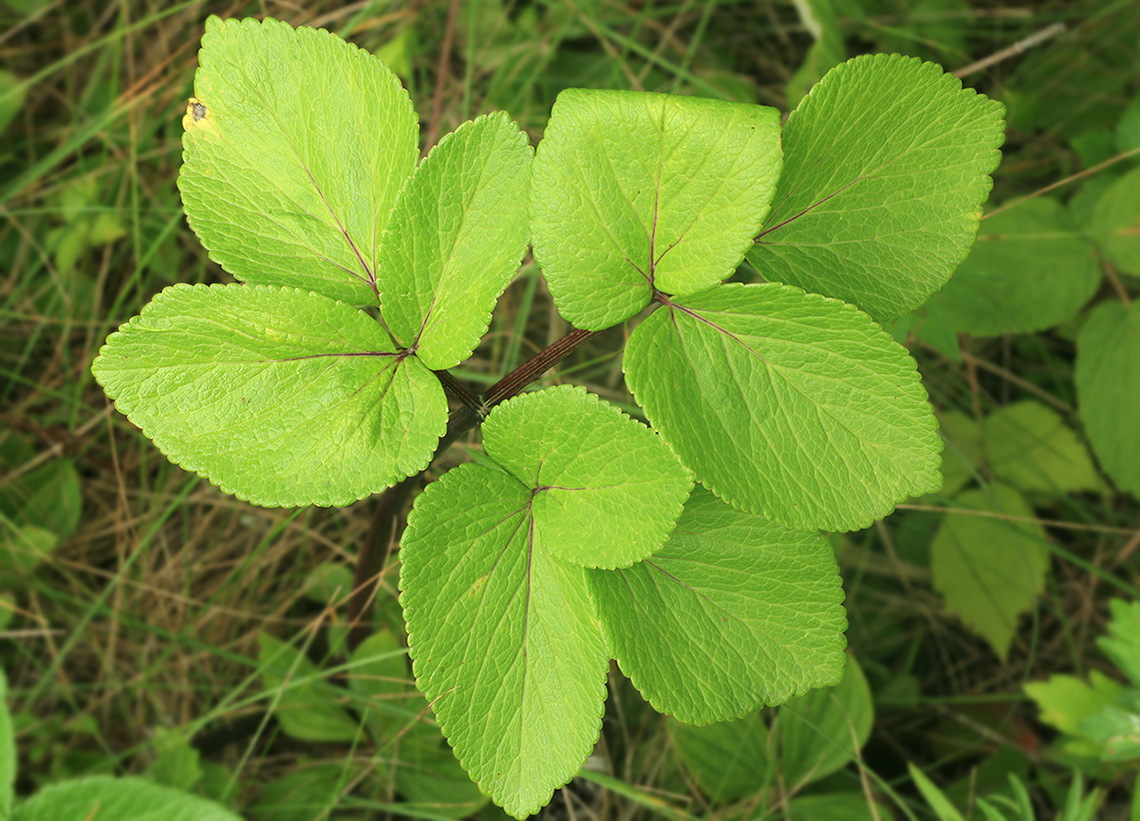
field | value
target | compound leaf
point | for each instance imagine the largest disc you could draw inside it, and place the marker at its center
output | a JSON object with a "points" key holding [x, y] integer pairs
{"points": [[456, 236], [502, 637], [1029, 270], [735, 612], [279, 396], [1029, 446], [1108, 388], [605, 490], [787, 404], [886, 167], [990, 569], [296, 146], [634, 190]]}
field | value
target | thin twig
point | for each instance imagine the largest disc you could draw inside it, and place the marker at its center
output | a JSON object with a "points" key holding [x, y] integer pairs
{"points": [[1080, 175], [441, 79], [1017, 48]]}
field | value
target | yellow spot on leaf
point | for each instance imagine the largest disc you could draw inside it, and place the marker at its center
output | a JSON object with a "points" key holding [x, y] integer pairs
{"points": [[198, 118]]}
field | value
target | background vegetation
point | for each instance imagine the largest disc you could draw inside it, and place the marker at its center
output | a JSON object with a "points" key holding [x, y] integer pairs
{"points": [[133, 595]]}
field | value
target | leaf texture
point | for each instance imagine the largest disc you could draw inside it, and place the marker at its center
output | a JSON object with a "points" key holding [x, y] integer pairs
{"points": [[605, 490], [734, 613], [989, 570], [295, 148], [786, 404], [278, 396], [1108, 389], [886, 166], [502, 637], [634, 191], [456, 236]]}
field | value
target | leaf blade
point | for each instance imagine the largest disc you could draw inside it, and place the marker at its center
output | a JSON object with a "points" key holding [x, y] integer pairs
{"points": [[495, 624], [731, 376], [273, 195], [456, 236], [606, 491], [281, 397], [634, 191], [887, 164], [708, 628]]}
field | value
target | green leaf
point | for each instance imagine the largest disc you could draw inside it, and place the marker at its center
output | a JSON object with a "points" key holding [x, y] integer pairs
{"points": [[823, 730], [963, 454], [943, 809], [276, 395], [8, 764], [1122, 644], [1029, 446], [307, 706], [11, 98], [1116, 223], [729, 760], [123, 799], [819, 18], [989, 569], [296, 146], [1108, 389], [380, 677], [635, 191], [303, 794], [176, 764], [1029, 270], [1066, 701], [605, 491], [887, 164], [431, 780], [456, 236], [502, 637], [786, 404], [732, 614], [49, 498]]}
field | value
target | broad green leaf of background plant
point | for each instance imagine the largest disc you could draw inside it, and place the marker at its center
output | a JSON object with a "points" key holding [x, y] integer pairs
{"points": [[963, 453], [296, 146], [1029, 270], [307, 707], [457, 234], [1066, 701], [278, 396], [121, 799], [990, 570], [824, 729], [787, 404], [1029, 446], [887, 164], [380, 677], [1122, 644], [502, 636], [728, 760], [734, 613], [814, 737], [633, 191], [8, 766], [605, 490], [1116, 223], [1108, 389], [821, 21]]}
